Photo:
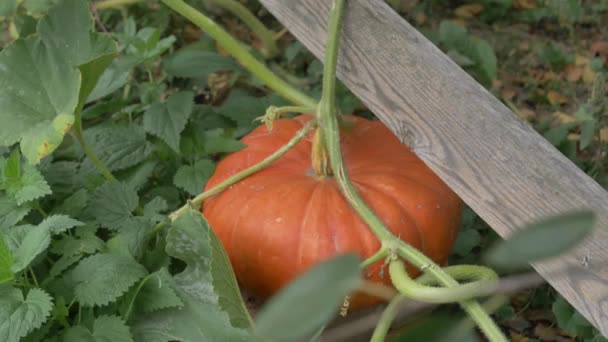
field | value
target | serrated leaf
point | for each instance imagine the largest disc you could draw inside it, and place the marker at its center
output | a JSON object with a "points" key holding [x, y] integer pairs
{"points": [[208, 275], [153, 210], [6, 261], [57, 224], [192, 178], [35, 241], [22, 181], [316, 294], [105, 329], [113, 203], [153, 293], [19, 316], [102, 278], [168, 119], [74, 204], [118, 147], [11, 213], [132, 238], [40, 81], [197, 61], [530, 244], [466, 241]]}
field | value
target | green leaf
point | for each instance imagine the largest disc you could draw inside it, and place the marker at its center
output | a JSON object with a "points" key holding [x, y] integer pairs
{"points": [[208, 275], [541, 240], [167, 120], [153, 210], [74, 204], [8, 8], [197, 61], [112, 203], [451, 33], [105, 329], [10, 212], [35, 241], [243, 108], [486, 58], [215, 141], [102, 278], [40, 81], [466, 241], [132, 238], [588, 129], [193, 178], [310, 301], [57, 224], [118, 147], [22, 181], [155, 293], [19, 316], [6, 261]]}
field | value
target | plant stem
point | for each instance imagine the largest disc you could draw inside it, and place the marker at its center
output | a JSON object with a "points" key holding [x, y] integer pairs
{"points": [[387, 318], [198, 200], [107, 4], [88, 151], [236, 49], [270, 48], [328, 123]]}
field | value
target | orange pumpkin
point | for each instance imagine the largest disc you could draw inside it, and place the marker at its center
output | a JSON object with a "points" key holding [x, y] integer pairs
{"points": [[279, 222]]}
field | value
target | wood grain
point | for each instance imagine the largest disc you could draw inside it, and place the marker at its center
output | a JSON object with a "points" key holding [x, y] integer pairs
{"points": [[499, 165]]}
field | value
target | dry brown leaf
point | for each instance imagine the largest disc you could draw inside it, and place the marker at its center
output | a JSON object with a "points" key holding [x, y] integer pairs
{"points": [[563, 117], [600, 48], [556, 98], [574, 136], [581, 60], [573, 72], [420, 18], [588, 74], [468, 11], [525, 4], [515, 337], [526, 113], [508, 93], [545, 333], [604, 134]]}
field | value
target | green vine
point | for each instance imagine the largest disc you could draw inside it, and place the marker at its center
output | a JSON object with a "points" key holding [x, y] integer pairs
{"points": [[270, 48], [392, 245], [241, 54]]}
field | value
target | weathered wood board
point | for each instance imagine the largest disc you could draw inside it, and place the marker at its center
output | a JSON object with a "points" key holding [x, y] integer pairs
{"points": [[499, 165]]}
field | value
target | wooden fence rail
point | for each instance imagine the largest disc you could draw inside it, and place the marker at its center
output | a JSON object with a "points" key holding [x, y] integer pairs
{"points": [[498, 164]]}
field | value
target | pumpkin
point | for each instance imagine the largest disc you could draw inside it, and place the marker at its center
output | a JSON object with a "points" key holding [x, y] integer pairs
{"points": [[281, 221]]}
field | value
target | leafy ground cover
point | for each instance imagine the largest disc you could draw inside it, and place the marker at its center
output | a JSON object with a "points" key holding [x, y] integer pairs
{"points": [[115, 113]]}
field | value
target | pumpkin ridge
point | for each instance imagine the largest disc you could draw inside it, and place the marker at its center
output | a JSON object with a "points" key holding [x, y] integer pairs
{"points": [[378, 192], [302, 225]]}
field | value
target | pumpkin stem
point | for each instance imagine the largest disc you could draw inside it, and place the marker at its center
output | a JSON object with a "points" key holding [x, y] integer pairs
{"points": [[320, 157]]}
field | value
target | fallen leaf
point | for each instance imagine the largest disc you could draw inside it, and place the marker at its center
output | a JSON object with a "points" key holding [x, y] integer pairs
{"points": [[508, 93], [556, 98], [515, 337], [581, 60], [545, 333], [574, 137], [526, 113], [599, 48], [563, 117], [468, 11], [573, 72], [588, 74], [525, 4], [604, 134], [420, 18]]}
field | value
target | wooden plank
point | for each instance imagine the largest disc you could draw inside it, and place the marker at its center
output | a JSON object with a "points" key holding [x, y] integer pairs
{"points": [[497, 163]]}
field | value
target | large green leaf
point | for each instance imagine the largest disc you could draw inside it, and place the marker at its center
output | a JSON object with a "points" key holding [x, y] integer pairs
{"points": [[198, 61], [6, 261], [310, 301], [168, 119], [44, 78], [541, 240], [213, 309], [18, 315]]}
